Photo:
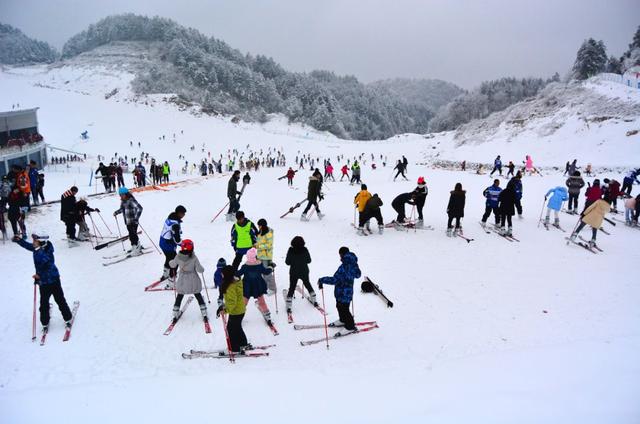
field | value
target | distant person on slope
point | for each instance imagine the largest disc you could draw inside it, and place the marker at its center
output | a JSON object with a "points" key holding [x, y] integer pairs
{"points": [[491, 193], [400, 166], [360, 201], [455, 209], [313, 193], [68, 213], [497, 166], [232, 192], [345, 172], [298, 258], [506, 207]]}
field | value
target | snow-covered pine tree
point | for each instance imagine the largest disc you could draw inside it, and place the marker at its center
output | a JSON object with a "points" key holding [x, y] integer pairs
{"points": [[591, 59]]}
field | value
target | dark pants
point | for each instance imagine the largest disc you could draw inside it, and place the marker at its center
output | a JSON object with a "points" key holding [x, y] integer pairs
{"points": [[133, 233], [419, 207], [487, 211], [165, 178], [234, 205], [198, 297], [293, 281], [290, 181], [310, 203], [374, 214], [345, 315], [594, 231], [505, 219], [40, 192], [168, 256], [450, 221], [626, 186], [496, 168], [105, 181], [120, 181], [400, 172], [519, 206], [573, 201], [237, 338], [399, 208], [34, 193], [70, 223], [355, 178], [239, 254], [55, 290], [587, 203]]}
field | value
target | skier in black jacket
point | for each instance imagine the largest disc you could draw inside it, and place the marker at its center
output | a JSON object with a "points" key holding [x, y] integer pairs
{"points": [[372, 210], [68, 212], [455, 209], [399, 202], [314, 191], [298, 259], [232, 192]]}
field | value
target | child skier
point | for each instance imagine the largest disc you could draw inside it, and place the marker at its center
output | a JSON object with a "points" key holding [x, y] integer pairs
{"points": [[169, 241], [455, 209], [491, 193], [264, 246], [217, 279], [234, 305], [189, 279], [298, 259], [558, 196], [593, 216], [46, 277], [343, 282], [372, 210], [254, 284], [360, 201], [131, 211]]}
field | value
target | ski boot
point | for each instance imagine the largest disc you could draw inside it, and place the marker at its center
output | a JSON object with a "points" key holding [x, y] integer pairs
{"points": [[360, 231], [546, 221], [220, 302], [312, 298], [509, 233], [458, 230], [336, 323], [556, 222], [67, 324], [136, 250], [573, 237], [289, 304], [72, 242], [166, 272], [203, 311], [45, 329], [380, 229], [419, 223], [320, 215], [176, 314], [592, 243], [449, 232], [303, 217]]}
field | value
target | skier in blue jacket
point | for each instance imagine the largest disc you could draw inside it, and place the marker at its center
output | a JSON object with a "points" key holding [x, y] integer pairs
{"points": [[170, 238], [46, 277], [491, 205], [559, 195], [343, 282]]}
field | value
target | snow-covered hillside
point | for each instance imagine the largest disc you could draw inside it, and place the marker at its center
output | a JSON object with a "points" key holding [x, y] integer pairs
{"points": [[490, 331]]}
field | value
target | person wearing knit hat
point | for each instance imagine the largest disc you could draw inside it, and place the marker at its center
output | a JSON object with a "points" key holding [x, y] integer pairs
{"points": [[217, 279], [254, 284]]}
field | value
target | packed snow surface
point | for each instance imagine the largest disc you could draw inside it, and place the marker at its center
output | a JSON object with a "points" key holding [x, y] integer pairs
{"points": [[488, 331]]}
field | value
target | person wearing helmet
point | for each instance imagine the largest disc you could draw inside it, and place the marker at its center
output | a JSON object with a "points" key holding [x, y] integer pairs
{"points": [[46, 277], [421, 191], [131, 211], [170, 238], [189, 281]]}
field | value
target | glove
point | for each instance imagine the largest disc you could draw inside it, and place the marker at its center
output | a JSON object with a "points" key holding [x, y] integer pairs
{"points": [[272, 265], [545, 197], [115, 214], [97, 210], [321, 196], [219, 311]]}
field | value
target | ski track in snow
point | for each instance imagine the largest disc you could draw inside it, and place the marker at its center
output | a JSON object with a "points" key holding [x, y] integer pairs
{"points": [[490, 331]]}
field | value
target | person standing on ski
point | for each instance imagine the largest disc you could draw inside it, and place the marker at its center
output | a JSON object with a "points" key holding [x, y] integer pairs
{"points": [[355, 172], [264, 246], [189, 281], [47, 277], [254, 284], [491, 193], [575, 184], [497, 166], [455, 209], [592, 216], [611, 193], [83, 209], [243, 237], [232, 192], [558, 196], [421, 191], [342, 280], [298, 259], [313, 193], [405, 164], [68, 213], [131, 211], [506, 206], [593, 193], [234, 305], [398, 205], [518, 189], [170, 239], [360, 201], [345, 172]]}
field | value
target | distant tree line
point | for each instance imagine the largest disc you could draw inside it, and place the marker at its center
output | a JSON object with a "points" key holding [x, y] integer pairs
{"points": [[18, 49]]}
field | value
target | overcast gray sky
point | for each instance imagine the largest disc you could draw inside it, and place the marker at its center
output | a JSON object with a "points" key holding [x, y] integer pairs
{"points": [[462, 41]]}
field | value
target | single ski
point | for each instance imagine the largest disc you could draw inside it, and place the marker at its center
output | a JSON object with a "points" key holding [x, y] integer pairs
{"points": [[224, 355], [581, 244], [125, 253], [205, 352], [604, 231], [175, 320], [306, 296], [112, 242], [316, 326], [153, 285], [468, 240], [293, 208], [125, 257], [74, 312], [43, 338], [339, 335], [595, 246]]}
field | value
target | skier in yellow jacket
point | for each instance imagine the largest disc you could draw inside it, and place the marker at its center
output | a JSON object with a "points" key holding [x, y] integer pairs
{"points": [[592, 216], [360, 201]]}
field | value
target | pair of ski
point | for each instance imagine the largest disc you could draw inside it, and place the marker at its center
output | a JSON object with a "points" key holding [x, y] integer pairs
{"points": [[406, 226], [364, 231], [547, 226], [207, 326], [305, 296], [585, 245], [224, 353], [494, 229], [67, 330], [121, 257], [461, 236], [112, 242], [361, 327], [153, 287]]}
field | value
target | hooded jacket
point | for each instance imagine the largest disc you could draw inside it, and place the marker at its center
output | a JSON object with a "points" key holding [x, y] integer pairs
{"points": [[558, 196], [594, 214], [575, 184], [188, 269], [343, 278], [455, 207], [44, 262]]}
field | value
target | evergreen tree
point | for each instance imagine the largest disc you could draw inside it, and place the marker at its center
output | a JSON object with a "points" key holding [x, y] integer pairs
{"points": [[591, 59], [614, 65]]}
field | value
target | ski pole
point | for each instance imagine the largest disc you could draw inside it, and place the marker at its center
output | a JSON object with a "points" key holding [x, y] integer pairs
{"points": [[119, 233], [324, 307], [105, 223], [574, 229], [33, 326], [96, 232], [218, 214], [226, 334], [206, 290], [542, 211], [276, 292], [145, 233]]}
